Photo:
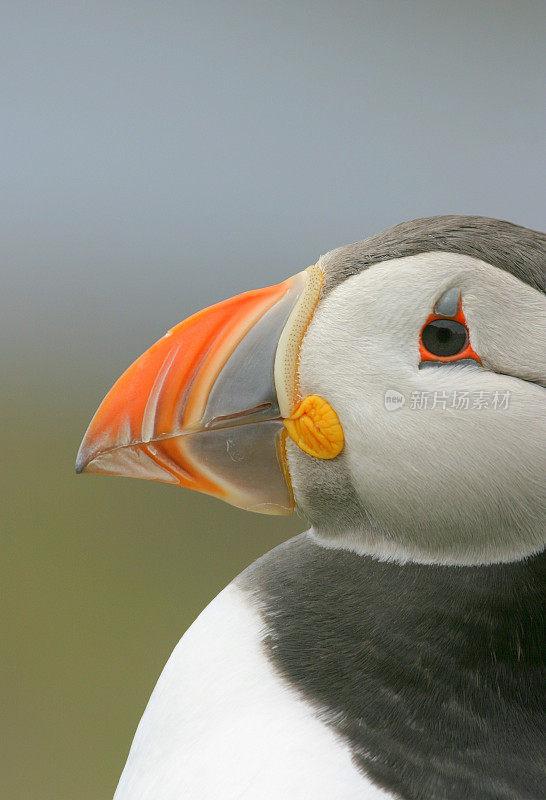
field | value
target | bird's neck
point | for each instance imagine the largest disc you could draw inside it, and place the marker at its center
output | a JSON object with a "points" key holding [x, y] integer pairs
{"points": [[440, 666], [474, 618], [469, 614]]}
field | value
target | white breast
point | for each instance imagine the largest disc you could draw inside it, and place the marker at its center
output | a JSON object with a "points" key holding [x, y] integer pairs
{"points": [[221, 724]]}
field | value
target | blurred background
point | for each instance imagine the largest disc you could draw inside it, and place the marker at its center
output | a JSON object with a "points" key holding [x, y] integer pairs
{"points": [[156, 158]]}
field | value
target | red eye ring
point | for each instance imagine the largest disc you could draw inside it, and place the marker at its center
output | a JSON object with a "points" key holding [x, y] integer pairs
{"points": [[467, 352]]}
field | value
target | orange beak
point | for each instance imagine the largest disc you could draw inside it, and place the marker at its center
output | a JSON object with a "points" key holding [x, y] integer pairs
{"points": [[203, 408]]}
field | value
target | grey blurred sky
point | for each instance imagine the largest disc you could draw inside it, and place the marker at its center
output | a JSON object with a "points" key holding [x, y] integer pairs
{"points": [[157, 157]]}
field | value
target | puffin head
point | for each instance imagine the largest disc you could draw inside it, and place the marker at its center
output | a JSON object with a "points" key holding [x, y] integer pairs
{"points": [[393, 392]]}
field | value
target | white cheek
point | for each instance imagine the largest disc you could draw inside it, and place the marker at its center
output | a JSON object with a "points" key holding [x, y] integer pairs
{"points": [[442, 469], [421, 453]]}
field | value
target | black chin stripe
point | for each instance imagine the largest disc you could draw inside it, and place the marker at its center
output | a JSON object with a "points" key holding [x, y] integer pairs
{"points": [[433, 675], [518, 250]]}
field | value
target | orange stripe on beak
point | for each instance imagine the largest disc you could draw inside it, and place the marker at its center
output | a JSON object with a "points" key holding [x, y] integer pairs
{"points": [[199, 408]]}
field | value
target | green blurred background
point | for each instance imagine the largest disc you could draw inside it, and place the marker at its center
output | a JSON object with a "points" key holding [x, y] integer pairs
{"points": [[156, 158]]}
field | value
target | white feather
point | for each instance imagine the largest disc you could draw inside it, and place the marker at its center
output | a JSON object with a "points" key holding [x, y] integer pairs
{"points": [[222, 725]]}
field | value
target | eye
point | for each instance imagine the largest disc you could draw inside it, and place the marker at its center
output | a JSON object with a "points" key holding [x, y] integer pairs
{"points": [[444, 337]]}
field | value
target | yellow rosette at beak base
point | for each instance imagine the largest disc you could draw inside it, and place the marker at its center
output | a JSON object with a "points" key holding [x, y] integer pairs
{"points": [[315, 428]]}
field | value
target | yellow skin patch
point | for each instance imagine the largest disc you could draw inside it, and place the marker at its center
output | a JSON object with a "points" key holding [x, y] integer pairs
{"points": [[315, 427]]}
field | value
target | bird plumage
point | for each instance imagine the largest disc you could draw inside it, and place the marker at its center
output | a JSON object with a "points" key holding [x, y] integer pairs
{"points": [[222, 722], [514, 248], [433, 675]]}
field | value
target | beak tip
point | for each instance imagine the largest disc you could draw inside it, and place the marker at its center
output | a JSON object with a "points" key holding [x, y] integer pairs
{"points": [[81, 461]]}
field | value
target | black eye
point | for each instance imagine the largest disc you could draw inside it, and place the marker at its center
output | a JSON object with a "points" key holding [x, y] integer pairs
{"points": [[444, 337]]}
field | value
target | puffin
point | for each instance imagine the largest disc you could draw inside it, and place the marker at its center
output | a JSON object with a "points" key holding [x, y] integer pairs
{"points": [[393, 394]]}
